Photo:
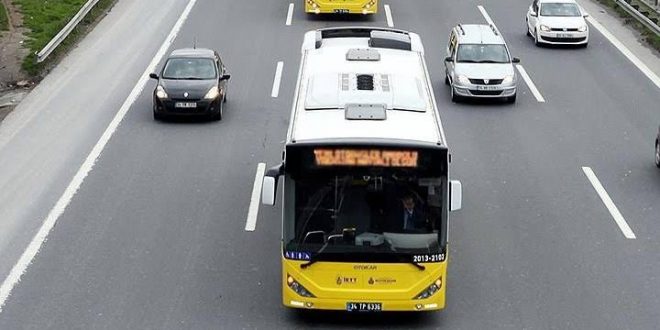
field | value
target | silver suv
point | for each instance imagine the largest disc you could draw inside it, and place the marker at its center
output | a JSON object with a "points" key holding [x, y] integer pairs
{"points": [[479, 64]]}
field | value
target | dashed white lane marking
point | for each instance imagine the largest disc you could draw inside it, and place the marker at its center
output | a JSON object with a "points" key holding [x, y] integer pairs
{"points": [[626, 52], [289, 15], [530, 83], [520, 68], [388, 15], [275, 92], [485, 14], [60, 206], [253, 211], [605, 197]]}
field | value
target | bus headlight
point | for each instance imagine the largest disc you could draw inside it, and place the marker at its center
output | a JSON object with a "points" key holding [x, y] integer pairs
{"points": [[212, 94], [312, 3], [431, 290], [160, 92], [297, 288]]}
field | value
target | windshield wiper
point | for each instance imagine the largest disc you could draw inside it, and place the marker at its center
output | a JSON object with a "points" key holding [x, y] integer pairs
{"points": [[314, 257], [489, 61], [418, 265]]}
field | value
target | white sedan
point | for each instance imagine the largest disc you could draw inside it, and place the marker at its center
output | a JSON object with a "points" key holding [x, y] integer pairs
{"points": [[557, 22]]}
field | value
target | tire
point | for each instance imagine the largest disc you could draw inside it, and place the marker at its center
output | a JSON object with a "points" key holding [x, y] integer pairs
{"points": [[224, 98], [218, 116], [157, 116], [454, 97], [527, 27], [657, 154], [446, 80], [511, 99]]}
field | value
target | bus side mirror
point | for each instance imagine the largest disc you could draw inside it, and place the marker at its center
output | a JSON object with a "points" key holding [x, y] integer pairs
{"points": [[455, 195], [269, 185]]}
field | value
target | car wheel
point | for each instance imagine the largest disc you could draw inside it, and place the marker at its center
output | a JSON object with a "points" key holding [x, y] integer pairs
{"points": [[511, 99], [157, 116], [657, 154], [454, 97], [527, 28], [218, 116], [446, 80], [224, 98]]}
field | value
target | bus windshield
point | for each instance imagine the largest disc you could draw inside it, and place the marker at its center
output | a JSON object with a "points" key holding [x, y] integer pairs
{"points": [[377, 216]]}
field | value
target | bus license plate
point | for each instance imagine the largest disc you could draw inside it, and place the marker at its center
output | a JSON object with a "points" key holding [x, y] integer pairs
{"points": [[341, 11], [364, 307], [185, 105]]}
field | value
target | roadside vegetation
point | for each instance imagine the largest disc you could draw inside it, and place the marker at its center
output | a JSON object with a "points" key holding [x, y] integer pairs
{"points": [[651, 38], [4, 21], [45, 19]]}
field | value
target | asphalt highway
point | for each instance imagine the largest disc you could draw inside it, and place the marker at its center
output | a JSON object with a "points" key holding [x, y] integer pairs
{"points": [[155, 236]]}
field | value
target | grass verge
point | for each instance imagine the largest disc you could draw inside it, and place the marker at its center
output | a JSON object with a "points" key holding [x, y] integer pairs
{"points": [[647, 35], [45, 19], [4, 21]]}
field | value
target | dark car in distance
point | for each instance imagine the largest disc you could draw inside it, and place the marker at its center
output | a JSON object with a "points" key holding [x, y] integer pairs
{"points": [[657, 149], [193, 82]]}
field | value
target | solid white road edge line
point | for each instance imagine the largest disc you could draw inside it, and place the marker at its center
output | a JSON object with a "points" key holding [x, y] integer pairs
{"points": [[485, 14], [289, 15], [278, 78], [253, 211], [530, 83], [605, 197], [626, 52], [388, 15], [33, 248]]}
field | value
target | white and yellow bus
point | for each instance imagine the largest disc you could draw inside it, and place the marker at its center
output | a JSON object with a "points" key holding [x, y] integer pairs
{"points": [[364, 7], [365, 175]]}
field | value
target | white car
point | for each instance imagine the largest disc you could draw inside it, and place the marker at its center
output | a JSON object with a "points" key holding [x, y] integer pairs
{"points": [[557, 22]]}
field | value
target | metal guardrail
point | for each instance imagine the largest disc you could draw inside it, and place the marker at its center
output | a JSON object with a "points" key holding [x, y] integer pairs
{"points": [[639, 16], [57, 40]]}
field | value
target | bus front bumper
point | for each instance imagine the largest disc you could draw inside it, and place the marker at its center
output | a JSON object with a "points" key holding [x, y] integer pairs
{"points": [[437, 302]]}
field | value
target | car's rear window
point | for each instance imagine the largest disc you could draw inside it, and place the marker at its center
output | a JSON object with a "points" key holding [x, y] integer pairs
{"points": [[190, 68]]}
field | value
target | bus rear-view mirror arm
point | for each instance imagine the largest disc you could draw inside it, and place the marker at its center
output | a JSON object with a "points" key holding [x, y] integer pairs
{"points": [[269, 186], [455, 195]]}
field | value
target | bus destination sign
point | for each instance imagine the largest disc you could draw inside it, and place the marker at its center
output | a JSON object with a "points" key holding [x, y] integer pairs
{"points": [[365, 157]]}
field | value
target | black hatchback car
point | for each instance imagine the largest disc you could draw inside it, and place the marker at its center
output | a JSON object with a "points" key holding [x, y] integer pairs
{"points": [[192, 82]]}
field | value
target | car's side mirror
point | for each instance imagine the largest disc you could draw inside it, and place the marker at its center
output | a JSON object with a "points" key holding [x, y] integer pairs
{"points": [[515, 60], [585, 15], [533, 14], [153, 76], [269, 185], [455, 195], [449, 59], [225, 77]]}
